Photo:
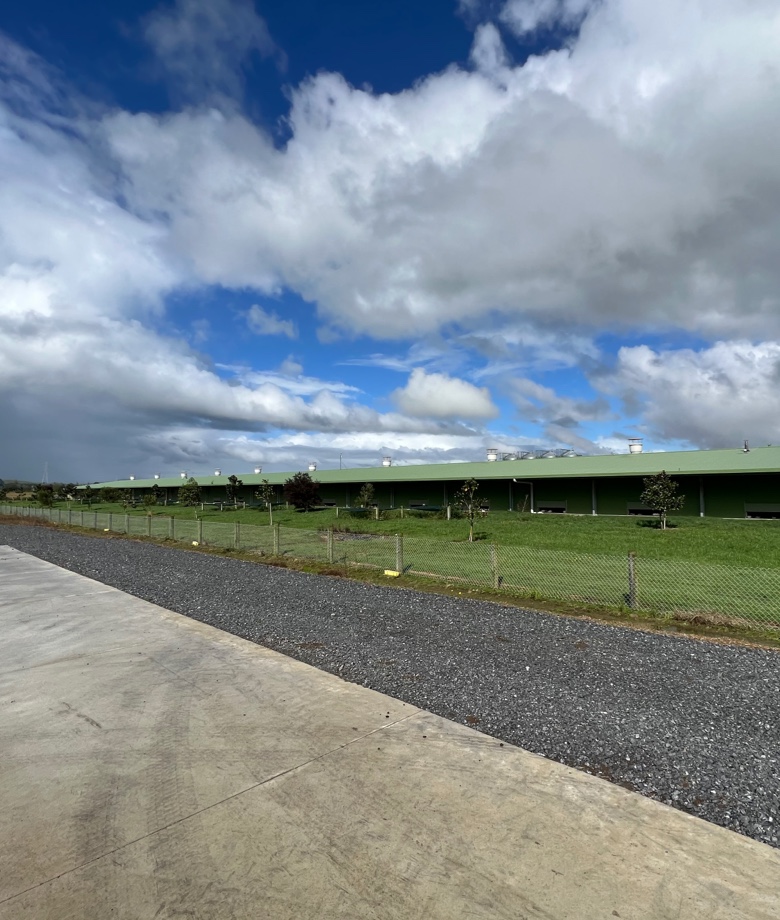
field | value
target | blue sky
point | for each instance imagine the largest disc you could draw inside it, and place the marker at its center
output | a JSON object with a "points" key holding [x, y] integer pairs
{"points": [[237, 232]]}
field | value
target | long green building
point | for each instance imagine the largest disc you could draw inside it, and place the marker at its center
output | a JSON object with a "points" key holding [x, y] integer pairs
{"points": [[736, 483]]}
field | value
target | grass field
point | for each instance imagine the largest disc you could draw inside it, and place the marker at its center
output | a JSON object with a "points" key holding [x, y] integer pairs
{"points": [[713, 570], [750, 544]]}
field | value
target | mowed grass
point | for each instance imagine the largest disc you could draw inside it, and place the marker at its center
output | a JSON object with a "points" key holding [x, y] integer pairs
{"points": [[741, 543], [722, 571]]}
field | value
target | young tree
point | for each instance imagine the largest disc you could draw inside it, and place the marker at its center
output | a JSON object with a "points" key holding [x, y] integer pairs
{"points": [[366, 495], [126, 498], [266, 495], [467, 502], [150, 500], [302, 492], [109, 495], [660, 494], [88, 495], [232, 488], [189, 493], [44, 495]]}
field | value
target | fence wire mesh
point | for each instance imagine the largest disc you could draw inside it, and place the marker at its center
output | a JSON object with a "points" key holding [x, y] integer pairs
{"points": [[696, 591]]}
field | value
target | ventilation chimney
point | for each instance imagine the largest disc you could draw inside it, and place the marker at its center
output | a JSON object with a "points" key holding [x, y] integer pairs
{"points": [[132, 478], [492, 454], [258, 469], [312, 467], [156, 475], [635, 445], [387, 461], [183, 474], [217, 472]]}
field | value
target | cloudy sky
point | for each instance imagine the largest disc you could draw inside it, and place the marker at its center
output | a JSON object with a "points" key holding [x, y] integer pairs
{"points": [[253, 231]]}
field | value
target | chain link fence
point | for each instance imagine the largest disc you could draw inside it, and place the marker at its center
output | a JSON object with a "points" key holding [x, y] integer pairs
{"points": [[699, 592]]}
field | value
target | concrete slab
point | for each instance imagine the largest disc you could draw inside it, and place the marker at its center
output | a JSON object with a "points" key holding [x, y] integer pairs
{"points": [[155, 767]]}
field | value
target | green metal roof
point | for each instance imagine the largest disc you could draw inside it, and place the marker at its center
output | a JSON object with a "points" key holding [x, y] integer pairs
{"points": [[683, 462]]}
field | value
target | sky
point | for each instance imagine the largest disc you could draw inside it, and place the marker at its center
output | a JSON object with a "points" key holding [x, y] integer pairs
{"points": [[254, 232]]}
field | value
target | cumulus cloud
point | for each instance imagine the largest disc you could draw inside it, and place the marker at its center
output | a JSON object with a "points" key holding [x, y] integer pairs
{"points": [[443, 397], [628, 181], [262, 322], [712, 397]]}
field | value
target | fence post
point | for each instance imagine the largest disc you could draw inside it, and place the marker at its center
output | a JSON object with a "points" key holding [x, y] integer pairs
{"points": [[94, 523], [376, 513], [276, 539], [148, 525], [200, 530], [330, 544], [81, 518], [399, 553], [127, 523], [171, 528], [494, 566], [69, 515], [632, 582], [237, 536], [449, 512], [110, 520]]}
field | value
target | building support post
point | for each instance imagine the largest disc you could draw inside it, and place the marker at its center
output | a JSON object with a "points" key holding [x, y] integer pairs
{"points": [[701, 496], [593, 509]]}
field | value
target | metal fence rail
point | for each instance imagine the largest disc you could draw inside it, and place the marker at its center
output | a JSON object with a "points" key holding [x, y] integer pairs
{"points": [[710, 593]]}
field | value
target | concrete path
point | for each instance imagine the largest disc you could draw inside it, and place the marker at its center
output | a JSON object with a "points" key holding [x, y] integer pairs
{"points": [[154, 767]]}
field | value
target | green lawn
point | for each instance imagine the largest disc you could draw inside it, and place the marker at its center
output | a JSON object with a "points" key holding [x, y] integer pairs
{"points": [[752, 544], [700, 566]]}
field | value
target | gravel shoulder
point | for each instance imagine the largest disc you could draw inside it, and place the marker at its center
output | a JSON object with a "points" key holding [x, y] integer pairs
{"points": [[693, 724]]}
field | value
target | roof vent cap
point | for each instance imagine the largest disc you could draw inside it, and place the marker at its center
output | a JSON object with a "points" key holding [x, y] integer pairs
{"points": [[387, 461], [492, 454], [635, 445]]}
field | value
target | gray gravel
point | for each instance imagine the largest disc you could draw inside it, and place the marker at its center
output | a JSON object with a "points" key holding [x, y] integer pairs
{"points": [[693, 724]]}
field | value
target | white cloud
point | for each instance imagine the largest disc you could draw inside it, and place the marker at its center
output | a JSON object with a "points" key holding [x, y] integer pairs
{"points": [[290, 367], [713, 397], [524, 16], [204, 45], [264, 323], [441, 396], [488, 54], [543, 405], [629, 181], [194, 447]]}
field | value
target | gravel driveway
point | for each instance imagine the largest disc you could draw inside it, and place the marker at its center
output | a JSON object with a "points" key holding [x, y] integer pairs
{"points": [[690, 723]]}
